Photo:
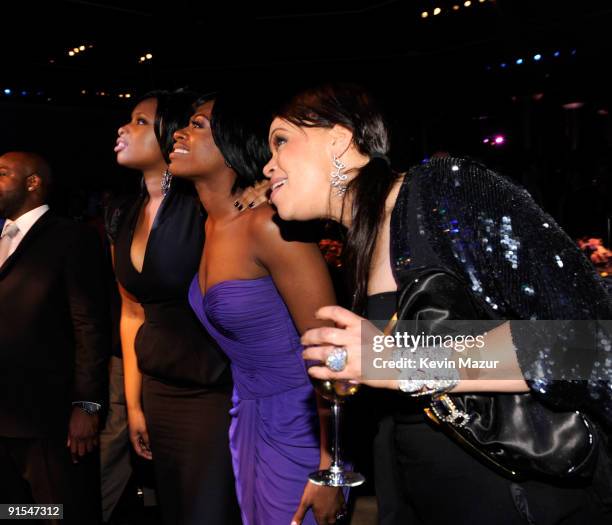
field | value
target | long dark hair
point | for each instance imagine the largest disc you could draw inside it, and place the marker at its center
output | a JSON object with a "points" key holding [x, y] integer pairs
{"points": [[351, 106]]}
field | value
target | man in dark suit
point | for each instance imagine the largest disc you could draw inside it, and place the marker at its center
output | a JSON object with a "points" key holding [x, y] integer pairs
{"points": [[53, 347]]}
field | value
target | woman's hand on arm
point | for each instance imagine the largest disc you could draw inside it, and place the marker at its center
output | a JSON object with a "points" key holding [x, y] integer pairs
{"points": [[253, 196]]}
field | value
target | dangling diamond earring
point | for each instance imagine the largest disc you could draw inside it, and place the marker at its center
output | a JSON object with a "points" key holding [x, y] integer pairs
{"points": [[337, 177], [166, 181]]}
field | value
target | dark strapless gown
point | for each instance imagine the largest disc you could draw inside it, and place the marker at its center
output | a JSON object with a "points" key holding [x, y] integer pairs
{"points": [[274, 434]]}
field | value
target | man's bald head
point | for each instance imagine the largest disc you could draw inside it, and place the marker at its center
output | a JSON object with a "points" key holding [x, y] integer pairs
{"points": [[25, 179], [31, 164]]}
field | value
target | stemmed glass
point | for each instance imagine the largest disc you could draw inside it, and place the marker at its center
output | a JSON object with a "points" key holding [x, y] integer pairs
{"points": [[336, 475]]}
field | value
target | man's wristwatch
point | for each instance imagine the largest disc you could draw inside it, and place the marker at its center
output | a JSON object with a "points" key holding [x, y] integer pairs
{"points": [[89, 407]]}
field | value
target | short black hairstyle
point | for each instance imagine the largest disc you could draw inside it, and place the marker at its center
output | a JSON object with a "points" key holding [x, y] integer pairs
{"points": [[240, 122]]}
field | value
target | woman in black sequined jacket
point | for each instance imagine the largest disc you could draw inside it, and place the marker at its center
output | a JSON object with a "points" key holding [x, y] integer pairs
{"points": [[449, 212]]}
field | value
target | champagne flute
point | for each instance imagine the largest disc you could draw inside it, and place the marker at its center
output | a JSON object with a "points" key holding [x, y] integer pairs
{"points": [[336, 475]]}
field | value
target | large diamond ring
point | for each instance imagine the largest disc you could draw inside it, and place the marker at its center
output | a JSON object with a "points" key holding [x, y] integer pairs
{"points": [[336, 360]]}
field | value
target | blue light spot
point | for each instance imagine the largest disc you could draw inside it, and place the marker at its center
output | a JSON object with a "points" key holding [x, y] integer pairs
{"points": [[557, 54], [537, 57], [7, 91], [519, 61]]}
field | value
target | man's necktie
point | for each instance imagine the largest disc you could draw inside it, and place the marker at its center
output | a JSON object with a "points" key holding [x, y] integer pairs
{"points": [[8, 232]]}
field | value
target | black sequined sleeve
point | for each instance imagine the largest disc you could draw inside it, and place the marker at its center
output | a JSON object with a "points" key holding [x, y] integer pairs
{"points": [[523, 266]]}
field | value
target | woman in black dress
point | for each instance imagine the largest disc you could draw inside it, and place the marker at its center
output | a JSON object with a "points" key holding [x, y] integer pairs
{"points": [[329, 147], [177, 381]]}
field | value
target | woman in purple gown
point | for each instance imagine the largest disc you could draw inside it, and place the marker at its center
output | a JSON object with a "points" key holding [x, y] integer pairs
{"points": [[256, 291]]}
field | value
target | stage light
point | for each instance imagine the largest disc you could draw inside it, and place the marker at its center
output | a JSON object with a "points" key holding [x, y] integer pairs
{"points": [[573, 105], [519, 61], [485, 141], [424, 14], [128, 95], [573, 52], [24, 93], [76, 49], [7, 91], [500, 139], [537, 57], [70, 53], [437, 11], [468, 3], [503, 65], [81, 48], [148, 56], [83, 92], [456, 8], [557, 54]]}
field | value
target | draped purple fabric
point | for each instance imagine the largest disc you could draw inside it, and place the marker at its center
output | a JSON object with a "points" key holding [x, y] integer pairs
{"points": [[274, 434]]}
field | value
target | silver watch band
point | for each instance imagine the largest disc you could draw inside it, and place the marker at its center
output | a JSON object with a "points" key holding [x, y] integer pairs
{"points": [[88, 406]]}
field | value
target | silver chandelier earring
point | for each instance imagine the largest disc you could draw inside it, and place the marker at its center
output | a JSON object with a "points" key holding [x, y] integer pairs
{"points": [[166, 181], [337, 177]]}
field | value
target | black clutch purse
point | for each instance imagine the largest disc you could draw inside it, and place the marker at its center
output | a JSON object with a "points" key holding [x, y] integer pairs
{"points": [[512, 433]]}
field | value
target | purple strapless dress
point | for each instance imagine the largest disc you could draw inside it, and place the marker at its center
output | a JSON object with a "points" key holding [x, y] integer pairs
{"points": [[274, 434]]}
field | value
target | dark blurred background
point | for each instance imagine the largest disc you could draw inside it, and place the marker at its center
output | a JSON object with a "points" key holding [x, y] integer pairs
{"points": [[522, 85]]}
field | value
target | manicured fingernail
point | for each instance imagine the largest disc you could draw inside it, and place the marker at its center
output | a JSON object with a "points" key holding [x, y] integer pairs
{"points": [[236, 204]]}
